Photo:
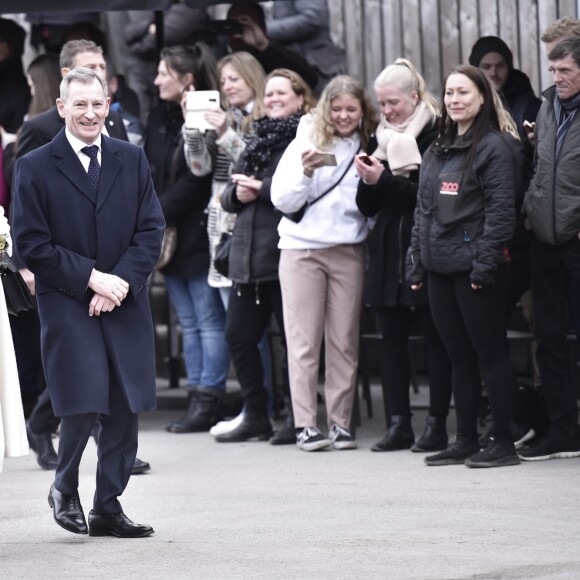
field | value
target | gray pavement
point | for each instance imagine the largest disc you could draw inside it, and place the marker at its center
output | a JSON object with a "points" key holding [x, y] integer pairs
{"points": [[254, 511]]}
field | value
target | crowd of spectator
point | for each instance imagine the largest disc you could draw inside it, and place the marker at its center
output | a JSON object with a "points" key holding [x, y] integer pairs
{"points": [[441, 210]]}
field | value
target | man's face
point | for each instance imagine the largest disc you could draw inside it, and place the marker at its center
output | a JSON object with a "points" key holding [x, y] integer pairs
{"points": [[93, 60], [495, 68], [85, 110], [566, 75]]}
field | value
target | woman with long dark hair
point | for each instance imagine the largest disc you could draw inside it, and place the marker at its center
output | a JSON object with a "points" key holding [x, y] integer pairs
{"points": [[184, 198], [465, 215]]}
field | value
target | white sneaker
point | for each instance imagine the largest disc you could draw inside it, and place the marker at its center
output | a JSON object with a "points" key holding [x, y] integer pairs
{"points": [[223, 427], [311, 439], [341, 438]]}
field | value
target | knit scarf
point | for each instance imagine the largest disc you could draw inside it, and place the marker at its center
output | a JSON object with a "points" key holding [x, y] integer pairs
{"points": [[271, 135], [397, 144]]}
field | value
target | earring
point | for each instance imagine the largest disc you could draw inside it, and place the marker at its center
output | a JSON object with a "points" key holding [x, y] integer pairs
{"points": [[360, 123]]}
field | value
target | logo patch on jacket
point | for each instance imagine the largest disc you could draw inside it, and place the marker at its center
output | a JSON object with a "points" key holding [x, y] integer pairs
{"points": [[449, 188]]}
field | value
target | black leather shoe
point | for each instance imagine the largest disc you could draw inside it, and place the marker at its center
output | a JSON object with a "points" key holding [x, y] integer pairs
{"points": [[42, 446], [118, 525], [258, 428], [67, 511], [140, 466]]}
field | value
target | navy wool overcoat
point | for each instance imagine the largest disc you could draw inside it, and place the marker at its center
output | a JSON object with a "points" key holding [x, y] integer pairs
{"points": [[62, 230]]}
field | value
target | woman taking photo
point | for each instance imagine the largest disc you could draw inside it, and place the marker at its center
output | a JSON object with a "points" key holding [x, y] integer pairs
{"points": [[254, 252], [465, 215], [184, 198], [388, 190], [242, 80], [323, 257]]}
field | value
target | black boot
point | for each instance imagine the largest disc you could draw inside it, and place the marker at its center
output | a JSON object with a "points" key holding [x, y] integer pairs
{"points": [[251, 427], [202, 412], [398, 436], [43, 448], [435, 437], [286, 435]]}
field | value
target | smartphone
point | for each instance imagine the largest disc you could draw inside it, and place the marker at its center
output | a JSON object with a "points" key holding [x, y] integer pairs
{"points": [[327, 158], [365, 159], [196, 104], [225, 27]]}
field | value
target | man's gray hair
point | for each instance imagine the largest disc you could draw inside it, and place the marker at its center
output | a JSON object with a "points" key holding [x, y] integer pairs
{"points": [[568, 47], [82, 75]]}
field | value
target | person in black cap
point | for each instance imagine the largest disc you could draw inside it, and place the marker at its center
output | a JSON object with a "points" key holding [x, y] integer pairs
{"points": [[493, 56]]}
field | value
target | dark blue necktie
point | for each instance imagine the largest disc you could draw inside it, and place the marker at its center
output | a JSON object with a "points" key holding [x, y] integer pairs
{"points": [[94, 168]]}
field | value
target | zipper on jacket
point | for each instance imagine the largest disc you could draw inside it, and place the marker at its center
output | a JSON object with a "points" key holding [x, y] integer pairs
{"points": [[401, 258], [467, 240]]}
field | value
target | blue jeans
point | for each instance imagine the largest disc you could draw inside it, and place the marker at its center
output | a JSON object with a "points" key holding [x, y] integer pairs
{"points": [[202, 318]]}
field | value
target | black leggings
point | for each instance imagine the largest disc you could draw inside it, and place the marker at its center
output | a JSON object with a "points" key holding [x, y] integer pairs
{"points": [[472, 325], [395, 325]]}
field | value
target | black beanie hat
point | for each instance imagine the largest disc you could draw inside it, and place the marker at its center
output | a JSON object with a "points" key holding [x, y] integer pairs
{"points": [[491, 44]]}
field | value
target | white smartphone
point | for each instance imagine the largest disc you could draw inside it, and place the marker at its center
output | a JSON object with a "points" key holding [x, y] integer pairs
{"points": [[197, 103]]}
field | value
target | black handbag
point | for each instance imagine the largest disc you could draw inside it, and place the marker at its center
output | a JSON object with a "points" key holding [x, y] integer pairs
{"points": [[297, 215], [221, 259], [18, 298]]}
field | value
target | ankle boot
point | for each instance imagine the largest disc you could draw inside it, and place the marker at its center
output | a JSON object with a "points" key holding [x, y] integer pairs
{"points": [[287, 434], [398, 436], [202, 412], [434, 437], [251, 427]]}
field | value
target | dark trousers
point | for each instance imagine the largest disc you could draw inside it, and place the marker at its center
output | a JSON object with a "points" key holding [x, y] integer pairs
{"points": [[250, 308], [553, 267], [116, 450], [26, 338], [42, 419], [395, 327], [472, 325]]}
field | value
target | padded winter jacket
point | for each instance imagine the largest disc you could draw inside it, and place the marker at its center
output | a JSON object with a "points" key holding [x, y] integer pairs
{"points": [[465, 213], [552, 202]]}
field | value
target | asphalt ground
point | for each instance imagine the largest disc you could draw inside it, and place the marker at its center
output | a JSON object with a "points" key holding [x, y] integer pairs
{"points": [[256, 511]]}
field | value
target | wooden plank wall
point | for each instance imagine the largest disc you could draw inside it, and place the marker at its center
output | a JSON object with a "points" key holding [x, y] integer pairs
{"points": [[438, 34]]}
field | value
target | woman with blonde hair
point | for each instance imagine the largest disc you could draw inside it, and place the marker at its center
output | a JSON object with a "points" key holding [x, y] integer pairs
{"points": [[388, 190], [216, 152], [323, 257], [254, 253]]}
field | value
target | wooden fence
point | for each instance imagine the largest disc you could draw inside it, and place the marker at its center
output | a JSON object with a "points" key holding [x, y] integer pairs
{"points": [[438, 34]]}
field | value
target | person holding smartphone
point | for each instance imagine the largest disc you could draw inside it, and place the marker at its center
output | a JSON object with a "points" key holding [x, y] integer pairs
{"points": [[323, 258], [388, 190]]}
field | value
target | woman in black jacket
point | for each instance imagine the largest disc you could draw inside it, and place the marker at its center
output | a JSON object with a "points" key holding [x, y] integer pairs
{"points": [[254, 253], [184, 198], [388, 190], [464, 218]]}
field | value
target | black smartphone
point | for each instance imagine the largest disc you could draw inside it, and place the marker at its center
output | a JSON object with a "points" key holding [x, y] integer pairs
{"points": [[365, 159], [225, 27]]}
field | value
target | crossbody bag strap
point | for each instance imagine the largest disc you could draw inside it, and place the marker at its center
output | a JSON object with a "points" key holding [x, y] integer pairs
{"points": [[338, 182]]}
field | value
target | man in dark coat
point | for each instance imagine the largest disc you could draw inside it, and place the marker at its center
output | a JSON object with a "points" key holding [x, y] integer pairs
{"points": [[37, 132], [91, 237]]}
